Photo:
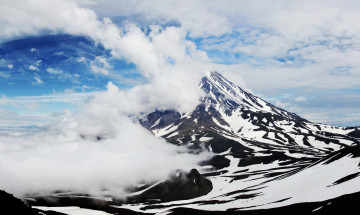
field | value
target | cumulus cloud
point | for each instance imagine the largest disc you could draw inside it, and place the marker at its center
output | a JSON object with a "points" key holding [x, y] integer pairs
{"points": [[161, 55]]}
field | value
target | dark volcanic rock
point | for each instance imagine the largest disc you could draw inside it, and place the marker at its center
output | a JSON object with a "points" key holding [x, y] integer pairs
{"points": [[179, 186], [12, 205], [355, 133], [218, 162], [165, 118]]}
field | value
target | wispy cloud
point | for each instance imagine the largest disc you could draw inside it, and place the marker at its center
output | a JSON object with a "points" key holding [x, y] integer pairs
{"points": [[54, 71], [58, 97], [37, 81], [100, 65]]}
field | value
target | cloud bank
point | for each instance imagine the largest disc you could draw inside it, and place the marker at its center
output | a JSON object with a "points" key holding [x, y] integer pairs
{"points": [[69, 156]]}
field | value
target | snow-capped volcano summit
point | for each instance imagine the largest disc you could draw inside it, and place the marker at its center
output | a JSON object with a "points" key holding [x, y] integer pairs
{"points": [[242, 120], [228, 96]]}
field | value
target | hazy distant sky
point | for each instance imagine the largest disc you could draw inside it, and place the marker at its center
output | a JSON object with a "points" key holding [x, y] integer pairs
{"points": [[302, 56]]}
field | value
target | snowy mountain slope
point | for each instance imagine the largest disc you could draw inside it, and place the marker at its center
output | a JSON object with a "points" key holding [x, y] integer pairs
{"points": [[254, 188], [234, 116], [329, 185], [221, 91]]}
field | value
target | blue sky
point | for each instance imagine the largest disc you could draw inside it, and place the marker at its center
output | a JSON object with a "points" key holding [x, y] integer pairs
{"points": [[301, 56], [38, 65]]}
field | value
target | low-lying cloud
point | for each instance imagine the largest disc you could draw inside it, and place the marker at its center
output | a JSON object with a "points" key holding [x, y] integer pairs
{"points": [[68, 156]]}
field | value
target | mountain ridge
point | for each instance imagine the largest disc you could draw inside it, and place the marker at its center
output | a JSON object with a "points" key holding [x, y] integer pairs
{"points": [[214, 82]]}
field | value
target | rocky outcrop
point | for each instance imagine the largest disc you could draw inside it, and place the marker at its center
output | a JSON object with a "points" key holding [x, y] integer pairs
{"points": [[179, 186]]}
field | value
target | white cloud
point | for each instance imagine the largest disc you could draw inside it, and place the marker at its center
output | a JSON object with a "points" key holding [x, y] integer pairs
{"points": [[128, 154], [199, 18], [34, 68], [54, 71], [126, 150], [62, 75], [150, 53], [34, 16], [10, 66]]}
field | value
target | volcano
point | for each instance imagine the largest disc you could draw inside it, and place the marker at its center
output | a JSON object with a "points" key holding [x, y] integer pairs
{"points": [[265, 160], [265, 157]]}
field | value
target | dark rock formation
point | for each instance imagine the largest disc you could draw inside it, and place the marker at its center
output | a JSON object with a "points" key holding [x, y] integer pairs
{"points": [[179, 186]]}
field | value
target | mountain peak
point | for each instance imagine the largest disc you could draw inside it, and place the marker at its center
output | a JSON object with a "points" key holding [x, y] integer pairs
{"points": [[215, 75], [216, 78], [224, 93]]}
